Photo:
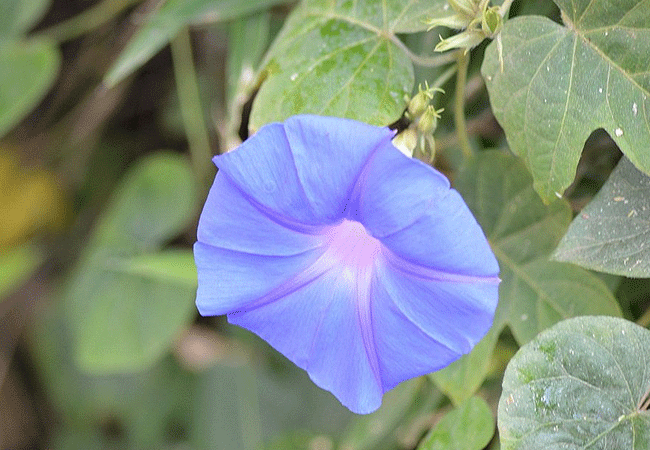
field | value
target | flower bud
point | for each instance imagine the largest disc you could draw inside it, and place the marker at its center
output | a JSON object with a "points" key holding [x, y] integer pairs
{"points": [[406, 141], [419, 103], [429, 120], [492, 22], [467, 8]]}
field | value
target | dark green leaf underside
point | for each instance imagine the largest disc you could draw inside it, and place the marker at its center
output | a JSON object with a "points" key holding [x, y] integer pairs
{"points": [[612, 233]]}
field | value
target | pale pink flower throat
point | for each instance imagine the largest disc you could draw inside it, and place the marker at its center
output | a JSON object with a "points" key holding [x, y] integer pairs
{"points": [[350, 245]]}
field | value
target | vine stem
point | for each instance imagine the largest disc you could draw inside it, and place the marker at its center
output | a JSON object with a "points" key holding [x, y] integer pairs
{"points": [[87, 20], [187, 88], [423, 61], [644, 402], [462, 63]]}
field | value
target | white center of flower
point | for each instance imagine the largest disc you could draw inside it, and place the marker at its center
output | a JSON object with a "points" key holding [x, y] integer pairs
{"points": [[351, 245]]}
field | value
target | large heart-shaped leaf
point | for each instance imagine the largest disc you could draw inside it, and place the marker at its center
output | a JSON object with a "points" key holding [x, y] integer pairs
{"points": [[560, 83], [583, 384], [341, 59], [612, 233], [125, 305], [535, 293]]}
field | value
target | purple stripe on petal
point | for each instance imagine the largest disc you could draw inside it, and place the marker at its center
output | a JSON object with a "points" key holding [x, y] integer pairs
{"points": [[348, 249], [428, 273], [318, 328], [326, 167], [395, 333], [456, 314], [397, 191], [230, 221], [230, 280], [264, 170], [411, 209]]}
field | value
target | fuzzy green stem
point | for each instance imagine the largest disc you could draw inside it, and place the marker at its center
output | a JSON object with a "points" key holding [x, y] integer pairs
{"points": [[459, 104], [423, 61], [187, 89], [505, 7], [87, 20]]}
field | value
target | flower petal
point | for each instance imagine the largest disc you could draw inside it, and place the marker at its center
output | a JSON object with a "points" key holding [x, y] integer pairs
{"points": [[262, 168], [230, 280], [359, 264], [411, 209], [422, 325], [288, 169], [319, 328], [230, 221], [327, 163]]}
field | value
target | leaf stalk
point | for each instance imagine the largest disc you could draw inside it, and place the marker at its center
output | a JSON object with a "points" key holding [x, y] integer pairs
{"points": [[462, 58]]}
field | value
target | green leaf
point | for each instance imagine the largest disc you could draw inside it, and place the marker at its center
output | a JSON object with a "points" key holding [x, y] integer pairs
{"points": [[612, 232], [560, 83], [16, 266], [27, 71], [124, 304], [341, 59], [299, 440], [18, 16], [470, 426], [461, 379], [579, 385], [175, 266], [258, 396], [535, 293], [248, 37], [367, 432], [145, 406], [227, 392], [163, 24]]}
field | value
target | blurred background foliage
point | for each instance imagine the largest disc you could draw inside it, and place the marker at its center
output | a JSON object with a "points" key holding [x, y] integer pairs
{"points": [[110, 111]]}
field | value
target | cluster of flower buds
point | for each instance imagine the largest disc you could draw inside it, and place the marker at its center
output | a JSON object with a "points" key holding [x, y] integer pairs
{"points": [[475, 17], [424, 120]]}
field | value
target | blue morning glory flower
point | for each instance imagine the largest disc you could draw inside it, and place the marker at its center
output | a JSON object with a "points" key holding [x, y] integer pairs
{"points": [[356, 262]]}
